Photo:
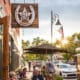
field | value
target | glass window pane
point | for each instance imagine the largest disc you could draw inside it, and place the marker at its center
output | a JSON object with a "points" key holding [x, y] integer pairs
{"points": [[1, 29]]}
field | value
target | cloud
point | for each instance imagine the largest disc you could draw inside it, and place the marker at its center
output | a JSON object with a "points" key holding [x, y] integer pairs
{"points": [[50, 3], [68, 2]]}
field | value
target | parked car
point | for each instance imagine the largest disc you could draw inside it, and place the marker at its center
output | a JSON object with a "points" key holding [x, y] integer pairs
{"points": [[66, 70]]}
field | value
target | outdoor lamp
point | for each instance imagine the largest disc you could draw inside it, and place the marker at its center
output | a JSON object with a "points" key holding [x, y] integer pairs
{"points": [[58, 22]]}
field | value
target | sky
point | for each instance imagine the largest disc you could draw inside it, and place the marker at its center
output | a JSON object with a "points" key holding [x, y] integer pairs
{"points": [[68, 11]]}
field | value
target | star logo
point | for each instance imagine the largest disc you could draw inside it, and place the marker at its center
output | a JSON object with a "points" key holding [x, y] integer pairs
{"points": [[25, 15]]}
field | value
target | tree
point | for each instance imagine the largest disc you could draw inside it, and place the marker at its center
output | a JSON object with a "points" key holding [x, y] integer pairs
{"points": [[37, 41], [70, 46], [30, 56], [25, 44]]}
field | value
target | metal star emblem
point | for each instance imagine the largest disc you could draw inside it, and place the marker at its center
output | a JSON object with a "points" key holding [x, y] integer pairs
{"points": [[25, 15]]}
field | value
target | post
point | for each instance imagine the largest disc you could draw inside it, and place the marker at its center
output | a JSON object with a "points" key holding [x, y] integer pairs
{"points": [[51, 26], [5, 48], [51, 30]]}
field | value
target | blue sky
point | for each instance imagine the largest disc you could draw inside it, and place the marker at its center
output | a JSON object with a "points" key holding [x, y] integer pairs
{"points": [[68, 10]]}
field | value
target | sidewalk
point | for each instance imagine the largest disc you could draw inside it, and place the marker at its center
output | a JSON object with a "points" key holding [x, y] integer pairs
{"points": [[29, 75]]}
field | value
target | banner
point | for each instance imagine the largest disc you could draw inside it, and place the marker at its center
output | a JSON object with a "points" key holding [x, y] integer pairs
{"points": [[24, 15]]}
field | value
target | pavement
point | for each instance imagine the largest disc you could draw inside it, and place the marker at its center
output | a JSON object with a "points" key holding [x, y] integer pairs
{"points": [[29, 75], [70, 79]]}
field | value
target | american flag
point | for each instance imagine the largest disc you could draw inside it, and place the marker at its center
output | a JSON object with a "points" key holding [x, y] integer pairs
{"points": [[60, 30]]}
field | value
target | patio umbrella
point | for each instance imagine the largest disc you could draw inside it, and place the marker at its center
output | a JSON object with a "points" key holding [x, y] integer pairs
{"points": [[44, 49]]}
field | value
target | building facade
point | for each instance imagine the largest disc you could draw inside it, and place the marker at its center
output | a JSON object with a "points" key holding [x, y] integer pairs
{"points": [[10, 42], [15, 49]]}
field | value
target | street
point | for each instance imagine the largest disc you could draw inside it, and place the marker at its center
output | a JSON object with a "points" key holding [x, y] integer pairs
{"points": [[70, 79]]}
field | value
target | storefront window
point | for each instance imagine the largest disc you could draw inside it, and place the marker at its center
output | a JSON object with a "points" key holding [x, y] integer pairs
{"points": [[1, 29]]}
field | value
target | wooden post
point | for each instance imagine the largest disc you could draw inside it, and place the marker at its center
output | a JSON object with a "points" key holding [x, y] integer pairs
{"points": [[5, 48]]}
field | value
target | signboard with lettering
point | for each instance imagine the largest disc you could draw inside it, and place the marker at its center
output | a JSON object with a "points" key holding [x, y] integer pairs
{"points": [[24, 15]]}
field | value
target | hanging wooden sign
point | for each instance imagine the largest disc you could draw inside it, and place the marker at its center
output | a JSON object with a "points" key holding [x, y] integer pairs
{"points": [[24, 15]]}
